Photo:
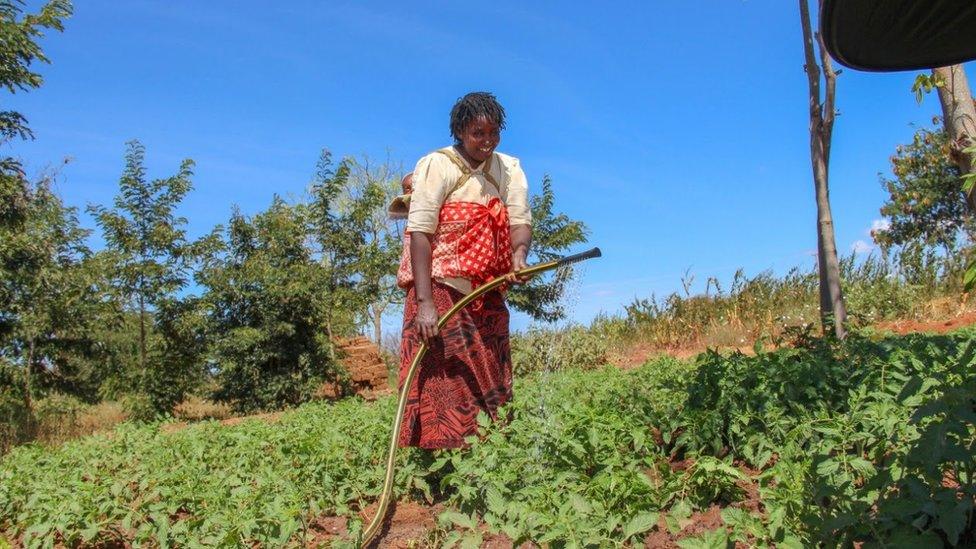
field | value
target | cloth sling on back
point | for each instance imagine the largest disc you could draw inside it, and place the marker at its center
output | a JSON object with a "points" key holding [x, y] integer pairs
{"points": [[400, 206]]}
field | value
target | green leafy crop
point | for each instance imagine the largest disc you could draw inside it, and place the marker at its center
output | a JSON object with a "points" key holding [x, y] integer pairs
{"points": [[867, 441]]}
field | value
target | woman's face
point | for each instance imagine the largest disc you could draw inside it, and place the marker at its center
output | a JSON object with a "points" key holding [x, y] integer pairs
{"points": [[479, 139]]}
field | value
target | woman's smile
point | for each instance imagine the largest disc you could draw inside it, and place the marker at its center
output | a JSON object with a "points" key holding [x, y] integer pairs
{"points": [[479, 139]]}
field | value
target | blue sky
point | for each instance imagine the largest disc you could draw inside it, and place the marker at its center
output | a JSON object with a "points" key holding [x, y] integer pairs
{"points": [[676, 130]]}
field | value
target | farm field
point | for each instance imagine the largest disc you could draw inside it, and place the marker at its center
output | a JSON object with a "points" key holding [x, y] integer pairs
{"points": [[868, 441], [203, 270]]}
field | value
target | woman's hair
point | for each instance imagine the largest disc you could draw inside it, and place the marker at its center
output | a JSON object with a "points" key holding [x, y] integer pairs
{"points": [[470, 107]]}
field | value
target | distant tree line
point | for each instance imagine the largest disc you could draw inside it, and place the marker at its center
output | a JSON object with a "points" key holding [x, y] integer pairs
{"points": [[246, 314]]}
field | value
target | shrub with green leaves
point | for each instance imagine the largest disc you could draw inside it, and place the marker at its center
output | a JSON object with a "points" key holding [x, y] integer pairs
{"points": [[861, 441], [15, 417], [538, 350]]}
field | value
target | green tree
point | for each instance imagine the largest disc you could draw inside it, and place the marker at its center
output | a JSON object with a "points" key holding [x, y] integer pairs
{"points": [[20, 203], [340, 223], [958, 117], [19, 50], [553, 234], [371, 187], [268, 311], [81, 358], [152, 258], [43, 285], [926, 204]]}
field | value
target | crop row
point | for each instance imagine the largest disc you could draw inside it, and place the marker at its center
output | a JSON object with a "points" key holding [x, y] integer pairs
{"points": [[872, 440]]}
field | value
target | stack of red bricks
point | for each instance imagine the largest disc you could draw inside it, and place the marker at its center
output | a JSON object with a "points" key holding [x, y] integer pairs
{"points": [[367, 371]]}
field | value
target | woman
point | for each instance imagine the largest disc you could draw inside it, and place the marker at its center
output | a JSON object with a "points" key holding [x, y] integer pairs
{"points": [[469, 222]]}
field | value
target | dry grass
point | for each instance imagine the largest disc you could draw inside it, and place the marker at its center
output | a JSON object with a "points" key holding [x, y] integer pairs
{"points": [[195, 408], [780, 309], [946, 307], [60, 419], [726, 335]]}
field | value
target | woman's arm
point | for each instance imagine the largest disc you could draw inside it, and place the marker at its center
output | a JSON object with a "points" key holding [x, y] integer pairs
{"points": [[430, 187], [521, 240], [519, 215], [420, 254]]}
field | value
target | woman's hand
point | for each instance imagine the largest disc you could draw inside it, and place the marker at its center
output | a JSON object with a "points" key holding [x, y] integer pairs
{"points": [[426, 320], [518, 263], [521, 240]]}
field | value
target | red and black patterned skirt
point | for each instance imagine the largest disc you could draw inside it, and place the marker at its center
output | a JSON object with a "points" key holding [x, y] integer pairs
{"points": [[468, 369]]}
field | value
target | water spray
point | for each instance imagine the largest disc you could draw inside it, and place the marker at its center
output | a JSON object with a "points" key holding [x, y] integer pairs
{"points": [[374, 524]]}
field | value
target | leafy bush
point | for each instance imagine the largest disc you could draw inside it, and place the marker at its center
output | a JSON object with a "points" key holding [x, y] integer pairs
{"points": [[16, 422], [869, 440], [540, 350], [139, 407], [206, 485], [578, 460], [57, 417]]}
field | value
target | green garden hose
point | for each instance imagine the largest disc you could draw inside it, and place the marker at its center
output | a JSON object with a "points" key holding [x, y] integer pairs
{"points": [[374, 524]]}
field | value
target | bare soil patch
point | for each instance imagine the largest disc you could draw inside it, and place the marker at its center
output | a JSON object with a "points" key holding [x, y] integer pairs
{"points": [[406, 525], [903, 327], [637, 354]]}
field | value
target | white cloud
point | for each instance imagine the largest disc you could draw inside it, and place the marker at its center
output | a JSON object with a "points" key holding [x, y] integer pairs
{"points": [[878, 225], [861, 247]]}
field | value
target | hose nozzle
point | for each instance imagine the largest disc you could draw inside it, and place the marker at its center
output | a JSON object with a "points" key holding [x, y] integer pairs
{"points": [[568, 260], [588, 254]]}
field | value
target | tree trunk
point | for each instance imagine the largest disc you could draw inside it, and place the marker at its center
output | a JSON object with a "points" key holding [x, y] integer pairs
{"points": [[142, 339], [833, 313], [332, 343], [28, 388], [959, 119], [29, 425], [377, 310]]}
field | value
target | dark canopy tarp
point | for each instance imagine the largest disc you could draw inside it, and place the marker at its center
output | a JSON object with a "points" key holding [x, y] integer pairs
{"points": [[890, 35]]}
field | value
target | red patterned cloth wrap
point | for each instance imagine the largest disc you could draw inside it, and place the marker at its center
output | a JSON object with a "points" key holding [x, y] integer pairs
{"points": [[472, 241], [467, 370]]}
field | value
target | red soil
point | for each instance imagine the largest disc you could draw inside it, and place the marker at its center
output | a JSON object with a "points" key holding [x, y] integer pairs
{"points": [[407, 523], [639, 353], [902, 327]]}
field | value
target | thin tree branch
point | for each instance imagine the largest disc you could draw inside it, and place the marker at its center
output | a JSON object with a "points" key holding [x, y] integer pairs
{"points": [[810, 66], [829, 109]]}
